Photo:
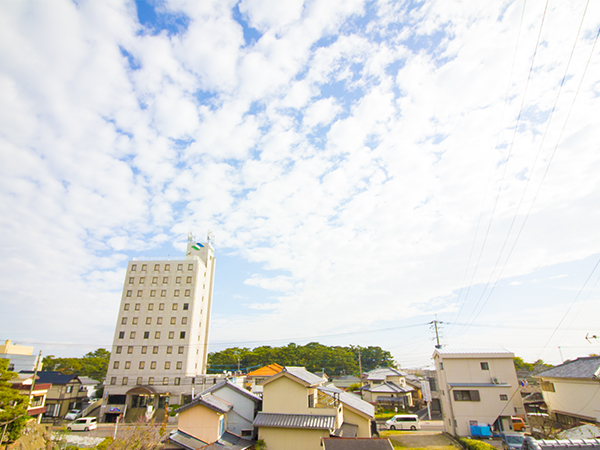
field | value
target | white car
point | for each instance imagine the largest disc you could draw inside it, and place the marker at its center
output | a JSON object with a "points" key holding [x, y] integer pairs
{"points": [[403, 422], [72, 415], [83, 424]]}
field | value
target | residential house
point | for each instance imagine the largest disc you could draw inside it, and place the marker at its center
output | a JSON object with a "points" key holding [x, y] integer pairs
{"points": [[387, 387], [429, 386], [90, 385], [37, 395], [479, 386], [345, 381], [254, 378], [572, 391], [223, 408], [65, 393], [298, 411]]}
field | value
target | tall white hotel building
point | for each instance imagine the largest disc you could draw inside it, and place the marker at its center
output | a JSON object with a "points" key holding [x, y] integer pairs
{"points": [[160, 345]]}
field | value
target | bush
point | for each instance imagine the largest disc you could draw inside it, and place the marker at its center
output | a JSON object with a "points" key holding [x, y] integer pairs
{"points": [[474, 444]]}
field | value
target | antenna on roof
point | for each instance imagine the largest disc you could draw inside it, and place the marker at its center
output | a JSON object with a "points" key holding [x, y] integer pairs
{"points": [[210, 237], [191, 237]]}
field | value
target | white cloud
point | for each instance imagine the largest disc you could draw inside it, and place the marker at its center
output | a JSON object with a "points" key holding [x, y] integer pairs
{"points": [[353, 152]]}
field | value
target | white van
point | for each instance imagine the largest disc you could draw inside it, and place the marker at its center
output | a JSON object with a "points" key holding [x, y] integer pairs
{"points": [[404, 422], [83, 424]]}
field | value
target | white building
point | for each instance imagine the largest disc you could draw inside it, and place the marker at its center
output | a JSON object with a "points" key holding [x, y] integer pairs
{"points": [[160, 344], [478, 386]]}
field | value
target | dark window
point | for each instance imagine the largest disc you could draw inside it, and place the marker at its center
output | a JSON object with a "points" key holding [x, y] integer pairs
{"points": [[146, 334], [121, 334], [186, 306], [547, 386], [182, 335], [432, 384], [504, 397], [466, 396], [484, 366]]}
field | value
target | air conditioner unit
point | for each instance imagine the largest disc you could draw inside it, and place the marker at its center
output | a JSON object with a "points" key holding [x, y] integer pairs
{"points": [[495, 380]]}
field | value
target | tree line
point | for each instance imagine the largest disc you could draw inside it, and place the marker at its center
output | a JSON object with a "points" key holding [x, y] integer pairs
{"points": [[333, 360], [93, 364]]}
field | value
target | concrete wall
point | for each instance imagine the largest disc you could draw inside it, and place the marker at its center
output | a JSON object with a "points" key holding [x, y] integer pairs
{"points": [[576, 397], [200, 422], [364, 424], [500, 378], [292, 439]]}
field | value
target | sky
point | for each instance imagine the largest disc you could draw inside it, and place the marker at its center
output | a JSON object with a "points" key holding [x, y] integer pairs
{"points": [[366, 168]]}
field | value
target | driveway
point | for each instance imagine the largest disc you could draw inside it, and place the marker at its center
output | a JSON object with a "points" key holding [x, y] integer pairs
{"points": [[433, 440]]}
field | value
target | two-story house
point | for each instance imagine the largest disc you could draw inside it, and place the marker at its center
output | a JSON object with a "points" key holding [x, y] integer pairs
{"points": [[386, 386], [572, 391], [478, 386], [298, 411], [66, 393], [224, 408]]}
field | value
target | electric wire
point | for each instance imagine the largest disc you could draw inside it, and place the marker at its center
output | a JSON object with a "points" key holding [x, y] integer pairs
{"points": [[517, 123], [505, 103], [551, 115]]}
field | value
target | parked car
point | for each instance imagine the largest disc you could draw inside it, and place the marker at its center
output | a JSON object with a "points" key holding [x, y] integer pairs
{"points": [[72, 414], [512, 441], [518, 424], [83, 424], [403, 422]]}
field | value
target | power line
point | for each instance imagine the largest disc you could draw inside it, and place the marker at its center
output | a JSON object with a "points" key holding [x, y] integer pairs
{"points": [[510, 148], [533, 167]]}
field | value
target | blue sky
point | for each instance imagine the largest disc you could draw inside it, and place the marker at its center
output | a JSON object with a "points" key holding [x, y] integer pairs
{"points": [[365, 167]]}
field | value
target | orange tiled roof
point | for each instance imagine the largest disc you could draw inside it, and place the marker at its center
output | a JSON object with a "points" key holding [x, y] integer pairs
{"points": [[266, 371]]}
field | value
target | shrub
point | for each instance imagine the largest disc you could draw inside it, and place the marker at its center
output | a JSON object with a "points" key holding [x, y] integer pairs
{"points": [[474, 444]]}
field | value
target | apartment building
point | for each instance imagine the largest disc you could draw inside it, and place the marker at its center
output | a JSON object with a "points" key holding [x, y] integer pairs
{"points": [[478, 386], [160, 344]]}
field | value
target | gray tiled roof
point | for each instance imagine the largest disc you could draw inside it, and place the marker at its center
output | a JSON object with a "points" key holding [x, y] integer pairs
{"points": [[349, 399], [308, 421], [186, 441], [588, 367], [473, 350], [210, 401], [556, 444], [388, 387], [302, 374], [235, 387], [347, 430], [383, 372]]}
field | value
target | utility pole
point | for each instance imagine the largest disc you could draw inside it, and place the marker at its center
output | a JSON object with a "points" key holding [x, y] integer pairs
{"points": [[360, 372], [37, 365], [437, 334]]}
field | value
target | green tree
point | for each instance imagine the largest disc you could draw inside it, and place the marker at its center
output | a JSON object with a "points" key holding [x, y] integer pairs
{"points": [[13, 405], [537, 366], [315, 357], [93, 364]]}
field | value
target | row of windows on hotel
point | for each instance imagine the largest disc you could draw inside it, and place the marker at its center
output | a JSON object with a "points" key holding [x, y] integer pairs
{"points": [[165, 280], [159, 321], [147, 335], [144, 349], [139, 382], [161, 306], [167, 268], [142, 365], [163, 293]]}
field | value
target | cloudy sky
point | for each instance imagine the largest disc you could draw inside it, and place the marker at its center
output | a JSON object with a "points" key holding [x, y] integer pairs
{"points": [[366, 167]]}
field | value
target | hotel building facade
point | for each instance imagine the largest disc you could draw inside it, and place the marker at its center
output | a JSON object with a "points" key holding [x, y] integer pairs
{"points": [[160, 346]]}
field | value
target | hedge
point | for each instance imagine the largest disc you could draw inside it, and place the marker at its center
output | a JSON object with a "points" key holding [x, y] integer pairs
{"points": [[473, 444]]}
